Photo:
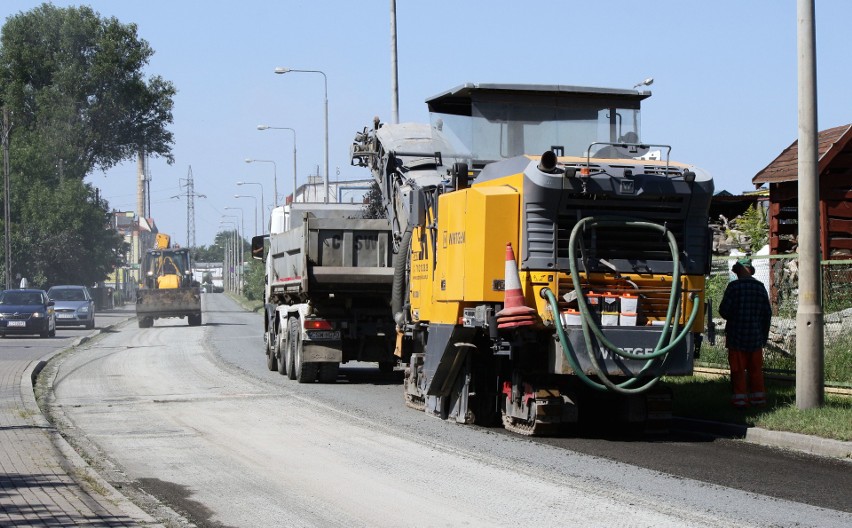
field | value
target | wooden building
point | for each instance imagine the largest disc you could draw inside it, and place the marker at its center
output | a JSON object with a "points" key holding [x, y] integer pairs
{"points": [[835, 194]]}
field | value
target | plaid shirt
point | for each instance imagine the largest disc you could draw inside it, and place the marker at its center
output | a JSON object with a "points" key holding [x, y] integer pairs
{"points": [[746, 308]]}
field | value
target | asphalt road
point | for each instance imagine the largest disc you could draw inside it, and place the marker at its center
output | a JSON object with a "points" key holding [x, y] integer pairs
{"points": [[31, 347], [191, 416]]}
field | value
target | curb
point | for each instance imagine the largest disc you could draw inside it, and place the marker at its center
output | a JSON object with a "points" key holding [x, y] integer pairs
{"points": [[73, 464], [813, 445]]}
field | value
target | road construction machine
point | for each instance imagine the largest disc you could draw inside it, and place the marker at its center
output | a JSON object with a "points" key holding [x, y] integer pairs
{"points": [[328, 290], [549, 264], [167, 288]]}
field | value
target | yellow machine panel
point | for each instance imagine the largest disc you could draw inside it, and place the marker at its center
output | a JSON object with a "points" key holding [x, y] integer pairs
{"points": [[480, 221]]}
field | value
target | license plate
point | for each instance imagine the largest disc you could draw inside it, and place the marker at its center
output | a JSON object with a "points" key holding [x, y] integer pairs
{"points": [[65, 316], [17, 323], [323, 335]]}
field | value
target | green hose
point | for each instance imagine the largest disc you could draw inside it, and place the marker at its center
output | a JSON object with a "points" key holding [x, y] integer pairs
{"points": [[591, 328]]}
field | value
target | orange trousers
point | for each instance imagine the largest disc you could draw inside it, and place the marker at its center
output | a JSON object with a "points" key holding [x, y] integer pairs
{"points": [[747, 377]]}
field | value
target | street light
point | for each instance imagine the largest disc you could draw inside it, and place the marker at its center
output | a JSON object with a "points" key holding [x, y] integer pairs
{"points": [[262, 207], [279, 70], [238, 246], [230, 263], [255, 208], [267, 127], [274, 177], [242, 221]]}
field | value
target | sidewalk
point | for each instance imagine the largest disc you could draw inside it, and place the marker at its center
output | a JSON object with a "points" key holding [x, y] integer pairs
{"points": [[43, 481]]}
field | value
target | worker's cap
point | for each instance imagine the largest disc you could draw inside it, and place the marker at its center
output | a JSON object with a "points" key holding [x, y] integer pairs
{"points": [[743, 263]]}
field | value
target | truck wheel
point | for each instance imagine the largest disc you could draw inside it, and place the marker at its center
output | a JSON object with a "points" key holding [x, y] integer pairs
{"points": [[305, 372], [194, 320], [280, 351], [146, 322], [328, 372], [271, 360], [290, 353]]}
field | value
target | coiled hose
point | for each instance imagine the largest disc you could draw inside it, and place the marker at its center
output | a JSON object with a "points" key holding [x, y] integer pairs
{"points": [[590, 327]]}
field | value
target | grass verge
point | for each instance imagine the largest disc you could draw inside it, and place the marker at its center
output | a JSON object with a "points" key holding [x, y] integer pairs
{"points": [[709, 399]]}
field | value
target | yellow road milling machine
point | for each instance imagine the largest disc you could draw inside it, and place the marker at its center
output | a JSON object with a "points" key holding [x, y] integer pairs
{"points": [[549, 264], [167, 288]]}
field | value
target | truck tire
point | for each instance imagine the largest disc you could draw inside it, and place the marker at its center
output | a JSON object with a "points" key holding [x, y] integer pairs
{"points": [[280, 350], [194, 320], [290, 353], [146, 322], [305, 372], [271, 360], [328, 372]]}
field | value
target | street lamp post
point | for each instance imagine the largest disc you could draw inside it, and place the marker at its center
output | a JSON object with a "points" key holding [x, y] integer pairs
{"points": [[279, 70], [267, 127], [239, 249], [229, 259], [274, 177], [255, 208], [262, 207]]}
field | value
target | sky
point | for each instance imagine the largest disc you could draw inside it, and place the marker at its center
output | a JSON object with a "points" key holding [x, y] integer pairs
{"points": [[724, 91]]}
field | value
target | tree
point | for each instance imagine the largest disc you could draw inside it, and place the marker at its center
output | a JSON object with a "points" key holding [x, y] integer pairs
{"points": [[62, 236], [752, 229], [373, 206], [74, 85]]}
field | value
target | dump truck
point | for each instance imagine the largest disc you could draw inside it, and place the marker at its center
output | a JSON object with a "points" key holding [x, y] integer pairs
{"points": [[167, 288], [549, 262], [328, 290]]}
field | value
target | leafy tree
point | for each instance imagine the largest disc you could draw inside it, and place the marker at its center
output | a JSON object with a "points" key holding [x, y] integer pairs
{"points": [[373, 206], [752, 229], [253, 285], [74, 86], [62, 235]]}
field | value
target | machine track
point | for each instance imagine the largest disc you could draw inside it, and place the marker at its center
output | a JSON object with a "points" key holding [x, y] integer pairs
{"points": [[414, 402], [527, 429]]}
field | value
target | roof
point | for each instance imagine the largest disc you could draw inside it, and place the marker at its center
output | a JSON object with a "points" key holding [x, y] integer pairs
{"points": [[834, 148], [458, 100]]}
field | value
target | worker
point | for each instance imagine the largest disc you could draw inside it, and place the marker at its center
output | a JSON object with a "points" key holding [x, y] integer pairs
{"points": [[745, 306]]}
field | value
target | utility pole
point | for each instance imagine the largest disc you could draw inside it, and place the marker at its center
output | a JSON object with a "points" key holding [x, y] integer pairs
{"points": [[810, 377], [7, 216], [189, 184], [140, 183], [394, 67]]}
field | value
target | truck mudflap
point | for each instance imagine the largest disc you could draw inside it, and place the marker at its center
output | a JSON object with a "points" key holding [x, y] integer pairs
{"points": [[178, 302]]}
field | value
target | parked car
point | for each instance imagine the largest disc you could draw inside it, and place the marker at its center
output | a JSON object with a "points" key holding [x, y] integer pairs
{"points": [[26, 312], [74, 306]]}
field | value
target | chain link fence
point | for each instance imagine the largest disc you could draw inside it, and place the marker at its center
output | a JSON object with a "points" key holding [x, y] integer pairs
{"points": [[779, 273]]}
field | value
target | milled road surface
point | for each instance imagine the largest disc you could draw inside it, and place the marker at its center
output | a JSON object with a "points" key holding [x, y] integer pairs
{"points": [[193, 416]]}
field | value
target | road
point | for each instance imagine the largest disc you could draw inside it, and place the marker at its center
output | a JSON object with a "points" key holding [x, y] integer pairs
{"points": [[191, 416]]}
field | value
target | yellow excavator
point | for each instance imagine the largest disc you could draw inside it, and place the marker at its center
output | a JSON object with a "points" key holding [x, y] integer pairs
{"points": [[167, 288]]}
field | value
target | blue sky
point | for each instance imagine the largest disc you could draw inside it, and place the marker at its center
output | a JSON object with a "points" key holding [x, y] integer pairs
{"points": [[724, 92]]}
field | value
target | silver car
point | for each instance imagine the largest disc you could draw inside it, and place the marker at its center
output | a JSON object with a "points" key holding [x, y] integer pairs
{"points": [[73, 306]]}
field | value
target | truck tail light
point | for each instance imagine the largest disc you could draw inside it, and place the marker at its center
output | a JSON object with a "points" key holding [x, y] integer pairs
{"points": [[317, 324]]}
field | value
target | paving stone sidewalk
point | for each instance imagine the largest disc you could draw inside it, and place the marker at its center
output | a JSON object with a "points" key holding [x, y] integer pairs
{"points": [[43, 482]]}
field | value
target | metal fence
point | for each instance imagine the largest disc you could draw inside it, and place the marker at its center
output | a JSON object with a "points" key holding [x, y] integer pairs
{"points": [[779, 273]]}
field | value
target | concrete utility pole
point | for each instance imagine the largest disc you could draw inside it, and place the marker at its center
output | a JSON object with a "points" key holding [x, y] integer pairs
{"points": [[140, 183], [7, 216], [810, 378], [394, 69]]}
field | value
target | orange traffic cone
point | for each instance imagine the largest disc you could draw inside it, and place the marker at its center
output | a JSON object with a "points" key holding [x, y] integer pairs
{"points": [[514, 313]]}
